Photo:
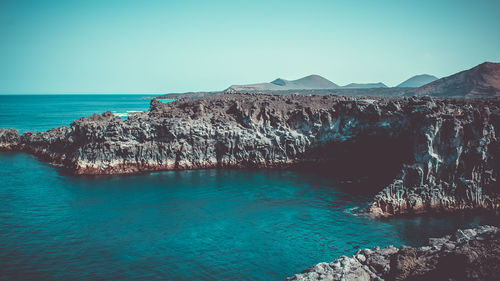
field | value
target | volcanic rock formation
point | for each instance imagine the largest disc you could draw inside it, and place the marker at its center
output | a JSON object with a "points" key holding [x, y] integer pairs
{"points": [[478, 82], [470, 254], [437, 154]]}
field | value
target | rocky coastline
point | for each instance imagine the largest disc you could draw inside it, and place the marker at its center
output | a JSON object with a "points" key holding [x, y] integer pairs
{"points": [[469, 254], [438, 154]]}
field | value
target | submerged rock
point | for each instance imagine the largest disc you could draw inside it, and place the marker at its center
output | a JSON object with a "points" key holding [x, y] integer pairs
{"points": [[470, 254], [438, 154]]}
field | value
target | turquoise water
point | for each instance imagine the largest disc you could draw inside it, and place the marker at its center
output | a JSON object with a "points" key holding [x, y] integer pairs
{"points": [[36, 113], [187, 225]]}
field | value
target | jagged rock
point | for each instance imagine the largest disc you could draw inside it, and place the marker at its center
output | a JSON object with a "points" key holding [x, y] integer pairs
{"points": [[9, 139], [471, 254], [446, 151]]}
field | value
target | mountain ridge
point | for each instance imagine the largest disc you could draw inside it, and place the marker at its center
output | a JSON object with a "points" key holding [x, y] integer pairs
{"points": [[480, 81], [312, 81], [365, 85], [417, 81]]}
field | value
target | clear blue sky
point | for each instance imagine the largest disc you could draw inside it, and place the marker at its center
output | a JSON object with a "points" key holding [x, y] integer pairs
{"points": [[127, 46]]}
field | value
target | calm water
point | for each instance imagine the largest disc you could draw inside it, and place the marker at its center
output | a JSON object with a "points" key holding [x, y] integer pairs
{"points": [[36, 113], [189, 225]]}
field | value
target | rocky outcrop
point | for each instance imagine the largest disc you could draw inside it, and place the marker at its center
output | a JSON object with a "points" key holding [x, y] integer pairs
{"points": [[470, 254], [455, 164], [437, 154], [9, 139]]}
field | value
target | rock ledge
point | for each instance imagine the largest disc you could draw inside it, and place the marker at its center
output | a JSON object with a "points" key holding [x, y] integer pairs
{"points": [[469, 254]]}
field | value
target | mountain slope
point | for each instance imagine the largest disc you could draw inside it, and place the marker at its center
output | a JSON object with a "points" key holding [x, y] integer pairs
{"points": [[365, 85], [477, 82], [418, 81], [308, 82]]}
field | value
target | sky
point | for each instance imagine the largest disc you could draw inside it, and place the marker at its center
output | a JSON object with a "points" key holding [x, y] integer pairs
{"points": [[130, 46]]}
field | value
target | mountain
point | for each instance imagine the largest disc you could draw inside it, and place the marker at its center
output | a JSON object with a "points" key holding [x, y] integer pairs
{"points": [[305, 83], [477, 82], [417, 81], [365, 85]]}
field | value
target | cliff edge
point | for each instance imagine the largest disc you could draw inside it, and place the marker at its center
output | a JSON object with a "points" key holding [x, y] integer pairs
{"points": [[438, 154]]}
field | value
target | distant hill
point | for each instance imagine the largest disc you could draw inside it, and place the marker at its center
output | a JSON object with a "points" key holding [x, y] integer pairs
{"points": [[305, 83], [480, 81], [364, 86], [417, 81]]}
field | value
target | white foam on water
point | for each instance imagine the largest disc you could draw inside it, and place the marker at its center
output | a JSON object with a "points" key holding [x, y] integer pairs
{"points": [[126, 114], [120, 114], [352, 211]]}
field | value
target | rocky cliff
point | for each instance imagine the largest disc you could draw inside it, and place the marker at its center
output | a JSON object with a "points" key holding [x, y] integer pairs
{"points": [[470, 254], [435, 153]]}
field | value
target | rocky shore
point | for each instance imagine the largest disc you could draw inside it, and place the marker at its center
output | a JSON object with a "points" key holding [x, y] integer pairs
{"points": [[437, 154], [470, 254]]}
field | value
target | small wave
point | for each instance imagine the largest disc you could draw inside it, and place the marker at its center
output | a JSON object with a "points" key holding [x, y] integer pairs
{"points": [[126, 114], [352, 211], [133, 111], [120, 114]]}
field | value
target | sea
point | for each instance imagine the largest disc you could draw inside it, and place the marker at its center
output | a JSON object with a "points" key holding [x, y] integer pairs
{"points": [[178, 225]]}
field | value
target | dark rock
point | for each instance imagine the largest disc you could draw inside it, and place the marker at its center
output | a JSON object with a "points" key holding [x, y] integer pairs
{"points": [[437, 154], [474, 256], [9, 139]]}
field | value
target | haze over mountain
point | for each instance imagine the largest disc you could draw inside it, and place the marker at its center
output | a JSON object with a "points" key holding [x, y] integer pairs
{"points": [[480, 81], [365, 85], [305, 83], [417, 81]]}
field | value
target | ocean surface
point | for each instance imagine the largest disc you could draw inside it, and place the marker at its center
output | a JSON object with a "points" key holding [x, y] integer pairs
{"points": [[187, 225], [36, 113]]}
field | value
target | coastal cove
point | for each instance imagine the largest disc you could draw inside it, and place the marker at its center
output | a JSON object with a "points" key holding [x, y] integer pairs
{"points": [[187, 225], [214, 224]]}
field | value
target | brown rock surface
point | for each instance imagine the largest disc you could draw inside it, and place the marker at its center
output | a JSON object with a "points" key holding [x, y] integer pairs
{"points": [[478, 82]]}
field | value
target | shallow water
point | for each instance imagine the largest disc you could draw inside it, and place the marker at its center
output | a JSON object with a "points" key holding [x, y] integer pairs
{"points": [[204, 225]]}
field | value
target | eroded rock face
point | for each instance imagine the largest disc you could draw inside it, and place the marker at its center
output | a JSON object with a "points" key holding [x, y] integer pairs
{"points": [[455, 164], [446, 151], [9, 139], [470, 254]]}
